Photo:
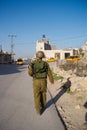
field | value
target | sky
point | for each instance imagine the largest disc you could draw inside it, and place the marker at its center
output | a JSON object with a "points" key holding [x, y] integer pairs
{"points": [[64, 23]]}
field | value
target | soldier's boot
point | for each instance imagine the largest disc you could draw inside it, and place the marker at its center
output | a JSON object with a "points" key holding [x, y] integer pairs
{"points": [[38, 112], [43, 102], [38, 107]]}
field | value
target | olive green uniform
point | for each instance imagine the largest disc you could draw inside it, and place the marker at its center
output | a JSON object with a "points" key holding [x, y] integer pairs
{"points": [[40, 88]]}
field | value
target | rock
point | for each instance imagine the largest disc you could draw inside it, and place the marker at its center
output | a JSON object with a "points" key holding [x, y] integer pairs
{"points": [[77, 107]]}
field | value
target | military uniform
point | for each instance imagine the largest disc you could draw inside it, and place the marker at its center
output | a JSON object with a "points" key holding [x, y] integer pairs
{"points": [[40, 83]]}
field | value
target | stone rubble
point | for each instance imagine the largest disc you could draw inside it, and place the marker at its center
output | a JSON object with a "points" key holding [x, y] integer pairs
{"points": [[71, 105]]}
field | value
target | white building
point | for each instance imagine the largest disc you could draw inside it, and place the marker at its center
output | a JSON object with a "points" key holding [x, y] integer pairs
{"points": [[45, 46]]}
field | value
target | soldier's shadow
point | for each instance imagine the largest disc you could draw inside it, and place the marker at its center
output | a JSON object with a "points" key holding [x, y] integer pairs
{"points": [[64, 88], [85, 105], [85, 123]]}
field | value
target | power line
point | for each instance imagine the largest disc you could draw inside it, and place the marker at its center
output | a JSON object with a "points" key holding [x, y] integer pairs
{"points": [[72, 37], [76, 37], [26, 43]]}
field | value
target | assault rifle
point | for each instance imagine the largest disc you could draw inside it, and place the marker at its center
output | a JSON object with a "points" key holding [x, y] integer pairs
{"points": [[30, 64]]}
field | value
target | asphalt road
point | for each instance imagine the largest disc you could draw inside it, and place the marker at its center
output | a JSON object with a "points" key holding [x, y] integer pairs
{"points": [[17, 110]]}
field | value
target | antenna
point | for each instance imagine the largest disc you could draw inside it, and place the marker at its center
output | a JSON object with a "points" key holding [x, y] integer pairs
{"points": [[12, 45]]}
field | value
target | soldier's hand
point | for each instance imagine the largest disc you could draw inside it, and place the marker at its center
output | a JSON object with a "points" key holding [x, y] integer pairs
{"points": [[52, 84]]}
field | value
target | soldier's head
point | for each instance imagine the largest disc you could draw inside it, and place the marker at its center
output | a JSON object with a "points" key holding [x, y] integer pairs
{"points": [[40, 55]]}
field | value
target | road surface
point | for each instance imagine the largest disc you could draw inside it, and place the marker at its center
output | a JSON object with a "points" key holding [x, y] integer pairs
{"points": [[17, 110]]}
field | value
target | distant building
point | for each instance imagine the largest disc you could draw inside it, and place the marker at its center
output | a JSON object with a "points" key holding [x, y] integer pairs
{"points": [[5, 58], [43, 45], [53, 47], [50, 51]]}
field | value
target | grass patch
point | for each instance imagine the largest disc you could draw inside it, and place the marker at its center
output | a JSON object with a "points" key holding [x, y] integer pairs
{"points": [[69, 91], [79, 98], [57, 77]]}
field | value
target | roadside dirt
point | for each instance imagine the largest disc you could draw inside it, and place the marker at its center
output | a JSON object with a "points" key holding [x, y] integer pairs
{"points": [[72, 105], [72, 108]]}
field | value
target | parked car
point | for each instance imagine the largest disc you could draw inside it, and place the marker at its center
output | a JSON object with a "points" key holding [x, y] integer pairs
{"points": [[73, 58], [19, 61], [52, 59]]}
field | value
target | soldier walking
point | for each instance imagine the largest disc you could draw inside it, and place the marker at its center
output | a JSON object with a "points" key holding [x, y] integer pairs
{"points": [[40, 70]]}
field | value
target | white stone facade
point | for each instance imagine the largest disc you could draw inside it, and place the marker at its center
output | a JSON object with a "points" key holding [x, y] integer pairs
{"points": [[61, 54], [44, 45]]}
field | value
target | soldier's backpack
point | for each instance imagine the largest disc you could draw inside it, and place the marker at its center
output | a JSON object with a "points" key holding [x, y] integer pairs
{"points": [[40, 69]]}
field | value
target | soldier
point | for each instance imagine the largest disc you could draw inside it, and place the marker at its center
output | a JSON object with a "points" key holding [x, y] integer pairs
{"points": [[40, 70]]}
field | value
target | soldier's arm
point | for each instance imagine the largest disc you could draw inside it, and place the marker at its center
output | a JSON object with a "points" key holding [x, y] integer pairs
{"points": [[30, 68], [50, 75]]}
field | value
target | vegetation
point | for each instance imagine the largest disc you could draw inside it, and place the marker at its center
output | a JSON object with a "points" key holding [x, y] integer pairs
{"points": [[57, 77]]}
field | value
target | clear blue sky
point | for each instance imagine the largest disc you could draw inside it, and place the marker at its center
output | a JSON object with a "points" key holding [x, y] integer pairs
{"points": [[64, 22]]}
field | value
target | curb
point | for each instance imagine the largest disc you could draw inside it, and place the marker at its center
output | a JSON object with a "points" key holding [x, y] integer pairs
{"points": [[57, 110]]}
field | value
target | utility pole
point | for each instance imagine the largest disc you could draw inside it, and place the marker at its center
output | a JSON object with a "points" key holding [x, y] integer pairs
{"points": [[1, 52], [12, 45], [0, 48]]}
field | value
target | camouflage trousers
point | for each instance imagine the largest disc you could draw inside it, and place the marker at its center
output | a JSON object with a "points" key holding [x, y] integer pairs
{"points": [[39, 89]]}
